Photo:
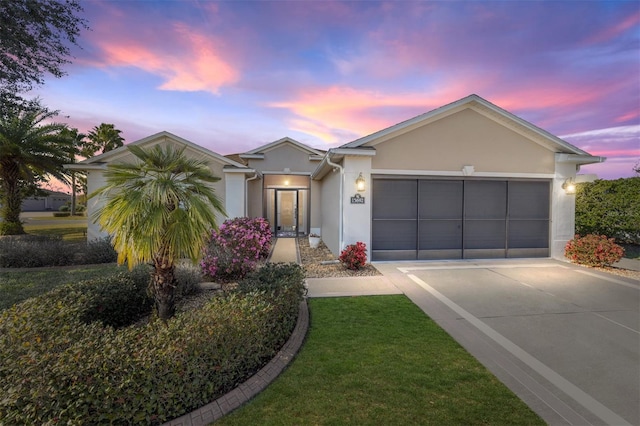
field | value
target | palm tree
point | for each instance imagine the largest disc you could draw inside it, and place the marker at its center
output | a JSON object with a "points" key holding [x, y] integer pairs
{"points": [[103, 138], [29, 151], [158, 210]]}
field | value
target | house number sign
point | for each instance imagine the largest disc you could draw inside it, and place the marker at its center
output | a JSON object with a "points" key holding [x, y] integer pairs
{"points": [[357, 199]]}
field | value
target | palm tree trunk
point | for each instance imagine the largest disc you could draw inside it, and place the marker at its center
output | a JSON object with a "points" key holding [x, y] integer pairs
{"points": [[11, 202], [164, 284], [73, 194]]}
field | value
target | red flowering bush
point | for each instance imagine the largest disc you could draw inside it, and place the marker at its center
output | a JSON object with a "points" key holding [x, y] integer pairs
{"points": [[235, 248], [593, 250], [354, 256]]}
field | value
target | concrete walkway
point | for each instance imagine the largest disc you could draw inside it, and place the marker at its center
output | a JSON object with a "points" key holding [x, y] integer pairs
{"points": [[285, 251]]}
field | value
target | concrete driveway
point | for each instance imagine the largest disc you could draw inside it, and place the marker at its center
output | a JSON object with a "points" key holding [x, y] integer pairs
{"points": [[565, 339]]}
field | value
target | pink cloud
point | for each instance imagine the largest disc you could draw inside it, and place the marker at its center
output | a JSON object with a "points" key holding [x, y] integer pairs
{"points": [[185, 59], [356, 112], [615, 30]]}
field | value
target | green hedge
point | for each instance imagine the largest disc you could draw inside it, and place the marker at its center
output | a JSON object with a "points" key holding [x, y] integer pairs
{"points": [[29, 251], [57, 368], [611, 208]]}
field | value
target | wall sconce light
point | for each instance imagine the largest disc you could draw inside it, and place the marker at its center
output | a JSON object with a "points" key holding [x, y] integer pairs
{"points": [[360, 183], [569, 186], [286, 182]]}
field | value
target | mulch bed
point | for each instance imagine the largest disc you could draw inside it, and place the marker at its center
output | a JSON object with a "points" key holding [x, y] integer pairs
{"points": [[312, 258]]}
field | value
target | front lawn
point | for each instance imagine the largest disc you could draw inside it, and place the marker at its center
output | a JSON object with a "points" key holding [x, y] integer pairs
{"points": [[380, 360]]}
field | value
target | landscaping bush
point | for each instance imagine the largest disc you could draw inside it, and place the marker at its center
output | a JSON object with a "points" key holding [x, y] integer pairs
{"points": [[117, 301], [609, 207], [188, 277], [354, 256], [61, 214], [58, 369], [236, 248], [593, 250], [30, 251], [98, 251]]}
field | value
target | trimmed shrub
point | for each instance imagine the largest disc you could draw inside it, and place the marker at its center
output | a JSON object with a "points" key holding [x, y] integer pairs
{"points": [[61, 214], [593, 250], [609, 207], [236, 248], [188, 277], [354, 256], [58, 369], [98, 251], [117, 300], [64, 208], [31, 251]]}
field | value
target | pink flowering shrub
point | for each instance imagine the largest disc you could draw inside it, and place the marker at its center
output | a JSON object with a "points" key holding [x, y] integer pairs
{"points": [[235, 248], [354, 256], [593, 250]]}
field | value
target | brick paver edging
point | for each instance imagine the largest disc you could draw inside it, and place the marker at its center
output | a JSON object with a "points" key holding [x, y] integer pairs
{"points": [[255, 384]]}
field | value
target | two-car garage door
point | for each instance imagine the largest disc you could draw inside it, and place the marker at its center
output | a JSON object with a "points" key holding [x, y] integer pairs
{"points": [[426, 218]]}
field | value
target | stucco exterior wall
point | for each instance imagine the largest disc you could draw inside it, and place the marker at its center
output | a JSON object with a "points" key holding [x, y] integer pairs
{"points": [[357, 217], [95, 180], [464, 138], [330, 210], [284, 156]]}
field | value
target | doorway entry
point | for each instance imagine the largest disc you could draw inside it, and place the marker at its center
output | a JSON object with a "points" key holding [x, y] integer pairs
{"points": [[287, 211]]}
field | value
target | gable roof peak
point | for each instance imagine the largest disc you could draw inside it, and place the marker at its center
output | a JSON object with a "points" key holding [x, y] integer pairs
{"points": [[284, 140], [472, 101]]}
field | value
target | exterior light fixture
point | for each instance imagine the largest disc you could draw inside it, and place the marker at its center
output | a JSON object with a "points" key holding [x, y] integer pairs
{"points": [[286, 182], [360, 183], [569, 186]]}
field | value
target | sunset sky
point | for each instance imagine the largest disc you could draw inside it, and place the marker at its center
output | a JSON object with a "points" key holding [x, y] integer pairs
{"points": [[234, 75]]}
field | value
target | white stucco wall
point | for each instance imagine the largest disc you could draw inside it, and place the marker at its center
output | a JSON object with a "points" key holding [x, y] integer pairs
{"points": [[563, 210], [234, 191], [330, 211], [357, 217], [95, 180]]}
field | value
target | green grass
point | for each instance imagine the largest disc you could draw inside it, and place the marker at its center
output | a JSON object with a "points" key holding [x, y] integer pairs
{"points": [[381, 361], [74, 233], [16, 286]]}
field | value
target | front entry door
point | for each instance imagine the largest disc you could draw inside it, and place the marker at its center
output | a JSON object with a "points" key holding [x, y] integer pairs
{"points": [[286, 213]]}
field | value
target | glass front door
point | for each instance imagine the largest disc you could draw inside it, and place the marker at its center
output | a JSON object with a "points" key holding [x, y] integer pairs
{"points": [[286, 213]]}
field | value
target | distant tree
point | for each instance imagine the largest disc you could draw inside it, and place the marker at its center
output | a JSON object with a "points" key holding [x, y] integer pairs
{"points": [[103, 138], [158, 210], [30, 150], [636, 168], [77, 142], [35, 37]]}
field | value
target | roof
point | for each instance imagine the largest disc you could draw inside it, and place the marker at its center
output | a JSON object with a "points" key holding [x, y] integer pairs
{"points": [[259, 152], [102, 159], [486, 108]]}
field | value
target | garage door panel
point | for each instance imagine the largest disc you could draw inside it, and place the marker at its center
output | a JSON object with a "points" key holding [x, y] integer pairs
{"points": [[440, 234], [528, 234], [485, 199], [440, 199], [395, 199], [529, 200], [484, 234], [394, 235]]}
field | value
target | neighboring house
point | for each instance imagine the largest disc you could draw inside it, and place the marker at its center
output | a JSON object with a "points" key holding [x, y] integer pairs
{"points": [[467, 180], [53, 200]]}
